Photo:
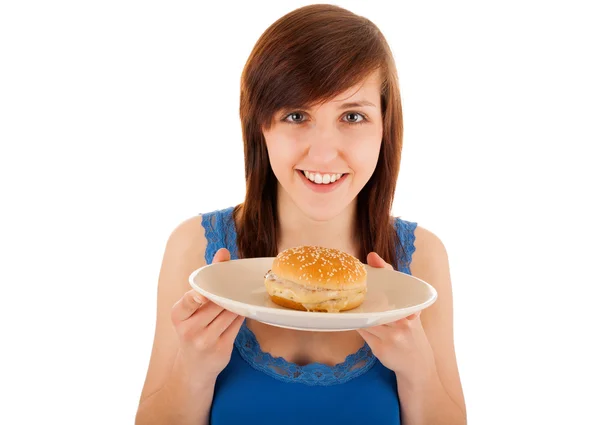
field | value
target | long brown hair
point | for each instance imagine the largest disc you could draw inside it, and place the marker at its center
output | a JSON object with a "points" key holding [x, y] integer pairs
{"points": [[311, 55]]}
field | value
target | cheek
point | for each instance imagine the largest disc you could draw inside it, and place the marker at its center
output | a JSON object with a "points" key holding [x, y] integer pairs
{"points": [[364, 155], [283, 153]]}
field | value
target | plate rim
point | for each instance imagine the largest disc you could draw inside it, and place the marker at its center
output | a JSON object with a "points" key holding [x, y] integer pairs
{"points": [[298, 313]]}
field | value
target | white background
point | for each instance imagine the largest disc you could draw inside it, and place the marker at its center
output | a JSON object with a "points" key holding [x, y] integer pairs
{"points": [[119, 119]]}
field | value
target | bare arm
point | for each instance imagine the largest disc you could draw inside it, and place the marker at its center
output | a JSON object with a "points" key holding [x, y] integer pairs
{"points": [[193, 337], [177, 402], [437, 399]]}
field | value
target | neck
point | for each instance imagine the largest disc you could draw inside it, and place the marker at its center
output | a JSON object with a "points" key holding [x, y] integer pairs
{"points": [[298, 229]]}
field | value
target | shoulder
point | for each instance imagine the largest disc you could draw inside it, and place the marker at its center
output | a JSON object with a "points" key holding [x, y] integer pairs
{"points": [[198, 237], [188, 237], [428, 244], [430, 258], [198, 229]]}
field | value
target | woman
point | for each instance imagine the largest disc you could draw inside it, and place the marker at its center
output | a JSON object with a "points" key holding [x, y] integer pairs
{"points": [[322, 129]]}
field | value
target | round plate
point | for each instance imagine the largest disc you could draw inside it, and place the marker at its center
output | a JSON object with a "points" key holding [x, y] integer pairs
{"points": [[238, 286]]}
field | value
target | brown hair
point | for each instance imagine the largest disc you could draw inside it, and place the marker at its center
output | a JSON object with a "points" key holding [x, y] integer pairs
{"points": [[311, 55]]}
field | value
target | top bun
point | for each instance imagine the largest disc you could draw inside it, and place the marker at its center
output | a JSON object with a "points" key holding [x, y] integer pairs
{"points": [[317, 267]]}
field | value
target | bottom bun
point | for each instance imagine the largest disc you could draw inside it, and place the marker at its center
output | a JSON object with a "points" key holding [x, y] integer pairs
{"points": [[330, 306]]}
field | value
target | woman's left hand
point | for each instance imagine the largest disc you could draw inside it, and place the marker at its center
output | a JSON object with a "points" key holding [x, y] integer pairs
{"points": [[401, 346]]}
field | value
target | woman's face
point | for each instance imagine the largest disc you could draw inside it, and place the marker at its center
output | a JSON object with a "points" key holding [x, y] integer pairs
{"points": [[324, 155]]}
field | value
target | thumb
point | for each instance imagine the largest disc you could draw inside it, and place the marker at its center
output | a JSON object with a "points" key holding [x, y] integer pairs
{"points": [[374, 260], [221, 255]]}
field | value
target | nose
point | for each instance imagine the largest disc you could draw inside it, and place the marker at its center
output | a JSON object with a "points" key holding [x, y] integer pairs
{"points": [[323, 146]]}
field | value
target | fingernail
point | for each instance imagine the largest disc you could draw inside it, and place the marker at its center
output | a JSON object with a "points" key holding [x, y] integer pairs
{"points": [[198, 299]]}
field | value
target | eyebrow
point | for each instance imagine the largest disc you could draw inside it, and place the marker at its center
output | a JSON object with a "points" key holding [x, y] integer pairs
{"points": [[357, 104]]}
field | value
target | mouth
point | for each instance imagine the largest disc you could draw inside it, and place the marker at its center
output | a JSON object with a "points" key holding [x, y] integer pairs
{"points": [[321, 182]]}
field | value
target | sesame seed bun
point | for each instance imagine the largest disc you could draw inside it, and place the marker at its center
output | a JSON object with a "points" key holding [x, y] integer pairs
{"points": [[320, 268], [315, 278]]}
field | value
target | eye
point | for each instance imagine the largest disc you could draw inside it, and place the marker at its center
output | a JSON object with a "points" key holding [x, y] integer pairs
{"points": [[296, 117], [354, 117]]}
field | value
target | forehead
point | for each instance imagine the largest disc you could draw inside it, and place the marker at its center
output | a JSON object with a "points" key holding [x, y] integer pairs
{"points": [[368, 89]]}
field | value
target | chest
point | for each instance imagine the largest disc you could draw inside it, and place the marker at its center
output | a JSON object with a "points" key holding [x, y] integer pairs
{"points": [[303, 348], [260, 391]]}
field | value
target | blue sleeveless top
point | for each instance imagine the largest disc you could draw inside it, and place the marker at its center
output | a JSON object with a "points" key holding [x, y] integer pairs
{"points": [[256, 388]]}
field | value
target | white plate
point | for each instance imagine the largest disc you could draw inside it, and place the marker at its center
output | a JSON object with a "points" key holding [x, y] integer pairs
{"points": [[238, 286]]}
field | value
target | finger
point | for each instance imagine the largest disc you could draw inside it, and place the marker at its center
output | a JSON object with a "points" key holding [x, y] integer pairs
{"points": [[413, 316], [222, 322], [393, 324], [404, 322], [206, 315], [187, 305], [214, 330], [372, 340], [399, 322], [374, 260], [380, 332], [197, 323], [221, 255], [231, 332]]}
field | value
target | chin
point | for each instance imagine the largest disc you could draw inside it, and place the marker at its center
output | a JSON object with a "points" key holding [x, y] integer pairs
{"points": [[323, 212]]}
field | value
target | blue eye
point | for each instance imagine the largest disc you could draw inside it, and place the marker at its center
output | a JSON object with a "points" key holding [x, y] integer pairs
{"points": [[350, 118], [297, 117], [354, 117]]}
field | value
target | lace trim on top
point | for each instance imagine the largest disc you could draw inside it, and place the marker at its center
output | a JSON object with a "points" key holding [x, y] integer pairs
{"points": [[406, 249], [220, 232], [355, 364]]}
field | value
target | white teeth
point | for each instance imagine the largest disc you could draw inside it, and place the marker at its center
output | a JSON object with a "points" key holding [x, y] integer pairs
{"points": [[319, 178]]}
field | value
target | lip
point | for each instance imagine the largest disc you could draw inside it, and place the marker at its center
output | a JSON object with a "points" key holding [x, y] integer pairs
{"points": [[321, 188]]}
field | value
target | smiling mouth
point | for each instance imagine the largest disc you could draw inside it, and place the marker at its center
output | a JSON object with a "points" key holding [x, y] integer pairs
{"points": [[322, 178]]}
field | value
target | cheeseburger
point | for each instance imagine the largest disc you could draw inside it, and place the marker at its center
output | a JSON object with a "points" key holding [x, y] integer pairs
{"points": [[313, 278]]}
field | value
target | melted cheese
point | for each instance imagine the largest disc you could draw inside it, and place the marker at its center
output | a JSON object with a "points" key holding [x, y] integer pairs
{"points": [[311, 299]]}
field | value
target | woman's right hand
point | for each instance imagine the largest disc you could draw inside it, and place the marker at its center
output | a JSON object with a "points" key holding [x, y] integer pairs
{"points": [[206, 332]]}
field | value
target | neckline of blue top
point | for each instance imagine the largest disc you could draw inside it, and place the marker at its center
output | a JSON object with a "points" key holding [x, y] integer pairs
{"points": [[355, 364]]}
